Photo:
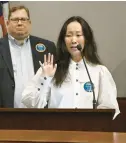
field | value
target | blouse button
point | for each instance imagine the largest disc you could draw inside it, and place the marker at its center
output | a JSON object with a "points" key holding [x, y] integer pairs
{"points": [[45, 78]]}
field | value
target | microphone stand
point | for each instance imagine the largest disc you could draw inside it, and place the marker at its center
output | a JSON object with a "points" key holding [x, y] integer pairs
{"points": [[94, 100]]}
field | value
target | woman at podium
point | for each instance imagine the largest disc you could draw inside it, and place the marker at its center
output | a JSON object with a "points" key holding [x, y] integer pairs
{"points": [[78, 79]]}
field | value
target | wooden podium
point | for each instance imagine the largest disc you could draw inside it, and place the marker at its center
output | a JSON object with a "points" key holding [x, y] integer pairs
{"points": [[56, 119], [47, 136]]}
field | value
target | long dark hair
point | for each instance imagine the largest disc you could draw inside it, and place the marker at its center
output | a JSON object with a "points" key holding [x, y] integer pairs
{"points": [[63, 56]]}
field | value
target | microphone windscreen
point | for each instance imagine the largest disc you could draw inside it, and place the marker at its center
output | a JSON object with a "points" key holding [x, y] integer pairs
{"points": [[79, 47]]}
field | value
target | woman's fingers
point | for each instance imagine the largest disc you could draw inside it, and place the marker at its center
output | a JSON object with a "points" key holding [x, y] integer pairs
{"points": [[48, 60], [45, 62], [49, 57], [40, 63], [55, 67], [48, 67], [51, 60]]}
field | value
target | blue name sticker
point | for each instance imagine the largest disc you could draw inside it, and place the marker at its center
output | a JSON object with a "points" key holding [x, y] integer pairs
{"points": [[40, 47], [88, 87]]}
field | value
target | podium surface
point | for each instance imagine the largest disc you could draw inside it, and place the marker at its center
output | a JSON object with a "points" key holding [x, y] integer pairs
{"points": [[41, 136], [56, 119]]}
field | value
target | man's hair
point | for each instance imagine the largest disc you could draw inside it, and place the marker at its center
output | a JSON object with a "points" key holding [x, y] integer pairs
{"points": [[15, 8]]}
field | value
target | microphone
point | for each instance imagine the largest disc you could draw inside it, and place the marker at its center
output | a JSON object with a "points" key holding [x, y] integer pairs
{"points": [[79, 47], [94, 100]]}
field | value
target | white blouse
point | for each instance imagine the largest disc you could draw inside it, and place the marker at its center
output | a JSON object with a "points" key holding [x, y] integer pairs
{"points": [[75, 92]]}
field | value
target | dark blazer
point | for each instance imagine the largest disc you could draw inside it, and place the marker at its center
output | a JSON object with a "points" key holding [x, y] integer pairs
{"points": [[7, 83]]}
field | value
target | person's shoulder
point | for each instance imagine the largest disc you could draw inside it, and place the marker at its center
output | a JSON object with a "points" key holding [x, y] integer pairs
{"points": [[41, 39], [99, 68], [106, 75], [3, 40], [104, 71]]}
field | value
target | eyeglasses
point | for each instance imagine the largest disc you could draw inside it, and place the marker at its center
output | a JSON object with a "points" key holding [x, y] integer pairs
{"points": [[16, 20]]}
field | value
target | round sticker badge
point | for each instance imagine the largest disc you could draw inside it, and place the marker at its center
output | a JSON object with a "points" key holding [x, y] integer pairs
{"points": [[88, 86], [40, 47]]}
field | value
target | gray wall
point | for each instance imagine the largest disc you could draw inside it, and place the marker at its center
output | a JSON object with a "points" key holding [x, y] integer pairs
{"points": [[107, 20]]}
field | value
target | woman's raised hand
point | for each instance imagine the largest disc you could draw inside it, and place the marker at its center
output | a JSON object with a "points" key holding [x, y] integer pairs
{"points": [[48, 68]]}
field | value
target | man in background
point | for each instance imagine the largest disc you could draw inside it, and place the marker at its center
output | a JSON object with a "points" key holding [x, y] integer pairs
{"points": [[20, 54]]}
